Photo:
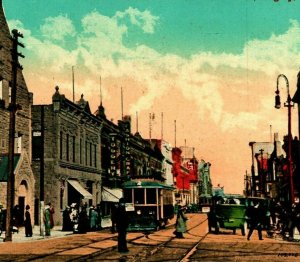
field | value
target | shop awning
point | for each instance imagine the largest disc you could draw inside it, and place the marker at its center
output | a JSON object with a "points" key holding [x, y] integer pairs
{"points": [[111, 194], [80, 189], [4, 166]]}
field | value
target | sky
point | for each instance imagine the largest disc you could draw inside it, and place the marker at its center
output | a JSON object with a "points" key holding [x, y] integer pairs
{"points": [[211, 66]]}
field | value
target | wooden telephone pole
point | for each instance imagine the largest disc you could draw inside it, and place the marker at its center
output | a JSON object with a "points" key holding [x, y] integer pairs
{"points": [[13, 107]]}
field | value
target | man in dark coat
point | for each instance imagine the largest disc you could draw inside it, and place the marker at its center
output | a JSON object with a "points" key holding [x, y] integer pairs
{"points": [[256, 214], [121, 220], [294, 220], [27, 222], [83, 221], [67, 223]]}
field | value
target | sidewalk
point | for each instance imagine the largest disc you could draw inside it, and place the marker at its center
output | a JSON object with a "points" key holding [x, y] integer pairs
{"points": [[20, 237]]}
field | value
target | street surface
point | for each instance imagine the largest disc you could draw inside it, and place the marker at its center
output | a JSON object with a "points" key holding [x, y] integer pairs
{"points": [[198, 245]]}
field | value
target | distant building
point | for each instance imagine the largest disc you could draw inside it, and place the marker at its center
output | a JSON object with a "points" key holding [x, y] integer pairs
{"points": [[205, 183], [181, 178], [218, 191], [166, 151], [263, 175], [191, 163]]}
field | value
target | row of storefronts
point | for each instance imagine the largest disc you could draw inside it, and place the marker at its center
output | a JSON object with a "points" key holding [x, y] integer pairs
{"points": [[64, 154]]}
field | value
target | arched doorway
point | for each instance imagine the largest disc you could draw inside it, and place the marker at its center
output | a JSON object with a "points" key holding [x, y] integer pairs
{"points": [[21, 201]]}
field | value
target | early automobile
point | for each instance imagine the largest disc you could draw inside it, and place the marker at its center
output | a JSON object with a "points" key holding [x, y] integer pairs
{"points": [[231, 213], [228, 214]]}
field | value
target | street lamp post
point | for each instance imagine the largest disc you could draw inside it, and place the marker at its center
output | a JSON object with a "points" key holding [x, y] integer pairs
{"points": [[289, 104]]}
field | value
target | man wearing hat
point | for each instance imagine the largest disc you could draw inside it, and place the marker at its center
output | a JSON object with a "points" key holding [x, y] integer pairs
{"points": [[27, 222], [122, 224]]}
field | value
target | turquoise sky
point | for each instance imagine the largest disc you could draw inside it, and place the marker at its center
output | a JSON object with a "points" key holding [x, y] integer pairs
{"points": [[206, 25], [209, 64]]}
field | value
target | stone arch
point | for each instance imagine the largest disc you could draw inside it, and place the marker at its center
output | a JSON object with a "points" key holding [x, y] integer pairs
{"points": [[24, 197], [23, 188]]}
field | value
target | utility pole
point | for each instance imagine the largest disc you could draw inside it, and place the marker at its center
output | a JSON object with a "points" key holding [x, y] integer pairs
{"points": [[73, 84], [13, 107], [42, 172], [262, 186]]}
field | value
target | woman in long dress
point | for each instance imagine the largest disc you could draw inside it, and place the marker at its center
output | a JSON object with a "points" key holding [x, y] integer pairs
{"points": [[47, 221], [180, 223]]}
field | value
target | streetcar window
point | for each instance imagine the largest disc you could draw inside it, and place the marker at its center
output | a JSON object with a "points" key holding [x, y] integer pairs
{"points": [[151, 195], [139, 196], [128, 195]]}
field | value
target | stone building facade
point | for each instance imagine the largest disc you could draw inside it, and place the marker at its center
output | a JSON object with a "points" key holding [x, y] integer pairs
{"points": [[124, 156], [24, 179], [66, 154]]}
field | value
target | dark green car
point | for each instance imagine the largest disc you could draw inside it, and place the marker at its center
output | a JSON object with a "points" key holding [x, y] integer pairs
{"points": [[230, 214]]}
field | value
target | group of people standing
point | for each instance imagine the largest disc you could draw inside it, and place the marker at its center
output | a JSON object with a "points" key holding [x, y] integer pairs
{"points": [[285, 219], [19, 219], [274, 217], [81, 219]]}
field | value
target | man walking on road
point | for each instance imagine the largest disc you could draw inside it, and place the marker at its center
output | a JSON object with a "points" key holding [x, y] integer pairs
{"points": [[180, 222], [255, 213], [121, 224]]}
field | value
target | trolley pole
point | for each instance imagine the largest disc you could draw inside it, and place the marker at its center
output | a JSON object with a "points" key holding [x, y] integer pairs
{"points": [[13, 107]]}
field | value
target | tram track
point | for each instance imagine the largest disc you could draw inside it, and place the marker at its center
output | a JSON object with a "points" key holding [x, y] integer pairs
{"points": [[141, 256], [82, 258], [189, 252], [192, 250]]}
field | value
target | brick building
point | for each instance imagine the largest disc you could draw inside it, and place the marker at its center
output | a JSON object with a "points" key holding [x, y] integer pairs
{"points": [[181, 178], [124, 156], [66, 157], [190, 162], [24, 179]]}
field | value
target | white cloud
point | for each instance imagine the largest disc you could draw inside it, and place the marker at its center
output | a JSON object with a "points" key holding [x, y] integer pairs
{"points": [[248, 121], [100, 48], [145, 20], [103, 29], [57, 28]]}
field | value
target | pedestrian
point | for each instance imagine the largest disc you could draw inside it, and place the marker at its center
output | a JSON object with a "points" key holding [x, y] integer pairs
{"points": [[256, 215], [98, 210], [47, 222], [93, 219], [121, 225], [51, 215], [273, 212], [74, 217], [180, 222], [67, 223], [294, 221], [113, 218], [27, 222], [1, 219], [16, 219], [83, 221]]}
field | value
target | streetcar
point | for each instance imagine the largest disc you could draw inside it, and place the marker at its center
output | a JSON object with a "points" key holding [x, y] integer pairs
{"points": [[149, 204]]}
